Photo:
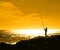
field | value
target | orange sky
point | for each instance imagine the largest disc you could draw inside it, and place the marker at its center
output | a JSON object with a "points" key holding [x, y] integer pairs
{"points": [[11, 17]]}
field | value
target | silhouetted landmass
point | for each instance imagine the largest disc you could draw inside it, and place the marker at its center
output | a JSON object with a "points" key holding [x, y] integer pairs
{"points": [[37, 43]]}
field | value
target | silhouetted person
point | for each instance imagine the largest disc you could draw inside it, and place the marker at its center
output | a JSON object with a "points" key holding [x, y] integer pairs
{"points": [[45, 31]]}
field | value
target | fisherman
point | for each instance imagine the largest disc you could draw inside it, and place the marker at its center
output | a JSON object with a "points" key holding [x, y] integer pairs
{"points": [[45, 31]]}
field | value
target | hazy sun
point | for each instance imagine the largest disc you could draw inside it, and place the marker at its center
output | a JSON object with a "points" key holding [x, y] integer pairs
{"points": [[34, 32]]}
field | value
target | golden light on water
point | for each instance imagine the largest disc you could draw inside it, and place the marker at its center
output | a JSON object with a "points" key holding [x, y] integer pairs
{"points": [[34, 32], [30, 32]]}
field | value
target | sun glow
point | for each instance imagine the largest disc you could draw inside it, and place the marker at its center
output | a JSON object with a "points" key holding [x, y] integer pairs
{"points": [[30, 32], [34, 32]]}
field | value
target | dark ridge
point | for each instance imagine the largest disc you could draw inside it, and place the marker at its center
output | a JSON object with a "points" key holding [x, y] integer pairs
{"points": [[37, 43]]}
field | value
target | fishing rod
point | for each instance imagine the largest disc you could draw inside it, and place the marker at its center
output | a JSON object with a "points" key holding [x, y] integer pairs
{"points": [[42, 21], [45, 28]]}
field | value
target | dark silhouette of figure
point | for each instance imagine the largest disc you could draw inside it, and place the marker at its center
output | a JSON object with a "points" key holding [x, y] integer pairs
{"points": [[45, 31]]}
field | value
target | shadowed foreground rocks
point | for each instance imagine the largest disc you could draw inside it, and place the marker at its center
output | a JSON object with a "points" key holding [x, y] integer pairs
{"points": [[38, 43]]}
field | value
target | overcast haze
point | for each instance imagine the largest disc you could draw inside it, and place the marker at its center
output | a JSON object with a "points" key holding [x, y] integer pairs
{"points": [[48, 9]]}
